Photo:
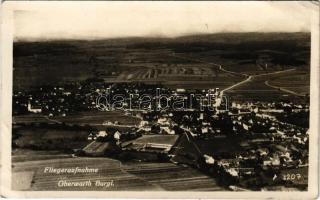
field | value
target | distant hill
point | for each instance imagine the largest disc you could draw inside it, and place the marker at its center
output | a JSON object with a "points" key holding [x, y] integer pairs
{"points": [[53, 62]]}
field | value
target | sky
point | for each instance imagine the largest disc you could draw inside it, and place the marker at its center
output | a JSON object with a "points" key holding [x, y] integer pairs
{"points": [[113, 19]]}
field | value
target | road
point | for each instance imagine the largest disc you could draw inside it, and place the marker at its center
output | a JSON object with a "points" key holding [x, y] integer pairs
{"points": [[283, 89], [248, 77], [236, 85], [252, 77]]}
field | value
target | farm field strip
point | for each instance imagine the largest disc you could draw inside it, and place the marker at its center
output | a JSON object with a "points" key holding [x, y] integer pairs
{"points": [[127, 176], [22, 158], [195, 74], [179, 178], [108, 170]]}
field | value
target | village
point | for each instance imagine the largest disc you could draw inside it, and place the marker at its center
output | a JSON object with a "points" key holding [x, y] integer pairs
{"points": [[256, 145]]}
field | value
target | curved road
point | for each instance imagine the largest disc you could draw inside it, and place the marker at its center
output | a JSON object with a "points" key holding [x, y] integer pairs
{"points": [[283, 89], [248, 77], [251, 77]]}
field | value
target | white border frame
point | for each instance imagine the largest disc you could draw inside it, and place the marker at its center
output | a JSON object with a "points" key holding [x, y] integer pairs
{"points": [[6, 118]]}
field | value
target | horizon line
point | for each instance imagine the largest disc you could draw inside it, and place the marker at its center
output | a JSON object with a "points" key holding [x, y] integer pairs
{"points": [[37, 39]]}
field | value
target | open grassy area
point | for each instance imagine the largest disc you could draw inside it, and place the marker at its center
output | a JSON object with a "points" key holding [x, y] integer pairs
{"points": [[218, 146], [269, 86], [299, 82], [158, 139], [49, 139]]}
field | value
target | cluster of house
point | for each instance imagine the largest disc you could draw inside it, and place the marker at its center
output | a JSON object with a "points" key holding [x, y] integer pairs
{"points": [[82, 96], [58, 100], [269, 143]]}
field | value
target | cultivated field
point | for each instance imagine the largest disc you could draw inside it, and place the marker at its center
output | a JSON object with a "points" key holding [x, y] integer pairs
{"points": [[22, 155], [125, 177], [30, 118], [172, 177], [93, 118], [108, 170]]}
